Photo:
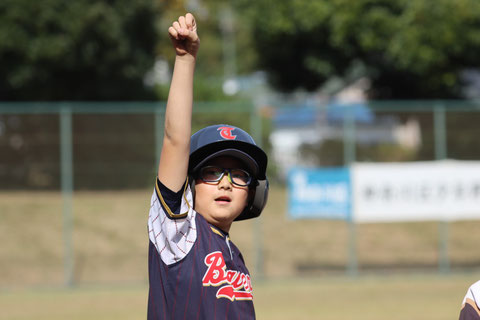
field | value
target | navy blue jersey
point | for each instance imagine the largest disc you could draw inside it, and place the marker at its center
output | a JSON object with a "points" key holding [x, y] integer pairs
{"points": [[195, 271]]}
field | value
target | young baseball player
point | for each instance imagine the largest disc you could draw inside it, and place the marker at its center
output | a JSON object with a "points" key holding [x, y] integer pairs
{"points": [[205, 182], [471, 303]]}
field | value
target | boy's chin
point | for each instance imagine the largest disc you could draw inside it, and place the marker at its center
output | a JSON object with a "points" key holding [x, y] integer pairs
{"points": [[222, 218], [225, 217]]}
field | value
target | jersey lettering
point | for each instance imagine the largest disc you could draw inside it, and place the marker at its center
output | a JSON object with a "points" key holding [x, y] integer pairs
{"points": [[226, 133], [217, 275]]}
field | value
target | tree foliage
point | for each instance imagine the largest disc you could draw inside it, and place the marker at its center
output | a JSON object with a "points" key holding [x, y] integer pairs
{"points": [[220, 45], [409, 49], [75, 50]]}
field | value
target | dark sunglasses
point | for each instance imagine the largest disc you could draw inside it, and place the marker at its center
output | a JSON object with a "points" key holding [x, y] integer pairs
{"points": [[238, 177]]}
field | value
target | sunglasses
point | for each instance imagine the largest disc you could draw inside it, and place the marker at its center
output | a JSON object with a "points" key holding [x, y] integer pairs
{"points": [[238, 177]]}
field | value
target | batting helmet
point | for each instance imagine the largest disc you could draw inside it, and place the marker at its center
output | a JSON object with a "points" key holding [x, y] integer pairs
{"points": [[226, 140]]}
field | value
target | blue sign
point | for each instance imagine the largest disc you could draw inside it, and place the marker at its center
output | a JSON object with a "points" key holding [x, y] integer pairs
{"points": [[319, 193]]}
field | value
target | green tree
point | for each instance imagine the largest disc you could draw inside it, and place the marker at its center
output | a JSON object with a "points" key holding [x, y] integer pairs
{"points": [[75, 50], [409, 49], [219, 46]]}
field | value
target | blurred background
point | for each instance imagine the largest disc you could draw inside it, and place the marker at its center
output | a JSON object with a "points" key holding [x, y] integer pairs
{"points": [[319, 84]]}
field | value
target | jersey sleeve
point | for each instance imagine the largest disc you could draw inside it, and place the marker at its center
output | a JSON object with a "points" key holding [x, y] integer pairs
{"points": [[171, 222], [471, 303]]}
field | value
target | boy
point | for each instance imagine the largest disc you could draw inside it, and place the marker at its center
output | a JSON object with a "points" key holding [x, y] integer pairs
{"points": [[471, 303], [205, 182]]}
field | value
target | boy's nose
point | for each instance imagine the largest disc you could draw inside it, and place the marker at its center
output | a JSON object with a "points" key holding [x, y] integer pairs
{"points": [[224, 182]]}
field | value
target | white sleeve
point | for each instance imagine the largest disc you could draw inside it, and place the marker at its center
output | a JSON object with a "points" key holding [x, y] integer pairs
{"points": [[473, 294], [173, 234]]}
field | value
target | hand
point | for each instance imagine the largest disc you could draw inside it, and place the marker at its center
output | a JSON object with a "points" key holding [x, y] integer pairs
{"points": [[183, 34]]}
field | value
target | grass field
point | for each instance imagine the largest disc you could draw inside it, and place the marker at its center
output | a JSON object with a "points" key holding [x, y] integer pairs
{"points": [[418, 297], [303, 262]]}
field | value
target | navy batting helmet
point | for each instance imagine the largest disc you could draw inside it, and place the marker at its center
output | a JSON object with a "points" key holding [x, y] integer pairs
{"points": [[226, 140]]}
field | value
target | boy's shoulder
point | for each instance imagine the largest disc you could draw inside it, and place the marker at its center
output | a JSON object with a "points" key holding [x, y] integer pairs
{"points": [[471, 303]]}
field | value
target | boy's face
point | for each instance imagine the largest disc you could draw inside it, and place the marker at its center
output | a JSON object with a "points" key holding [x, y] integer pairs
{"points": [[221, 202]]}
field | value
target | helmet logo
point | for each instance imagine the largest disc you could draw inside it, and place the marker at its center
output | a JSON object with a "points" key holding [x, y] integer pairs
{"points": [[226, 133]]}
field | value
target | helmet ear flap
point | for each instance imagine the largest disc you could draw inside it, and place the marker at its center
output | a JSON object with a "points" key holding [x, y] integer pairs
{"points": [[256, 205]]}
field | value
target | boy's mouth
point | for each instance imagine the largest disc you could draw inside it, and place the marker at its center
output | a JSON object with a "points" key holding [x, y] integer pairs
{"points": [[223, 199]]}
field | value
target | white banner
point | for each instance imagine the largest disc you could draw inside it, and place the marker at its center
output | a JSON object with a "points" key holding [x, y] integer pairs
{"points": [[418, 191]]}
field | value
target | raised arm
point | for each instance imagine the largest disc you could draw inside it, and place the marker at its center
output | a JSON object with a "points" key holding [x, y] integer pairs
{"points": [[173, 166]]}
